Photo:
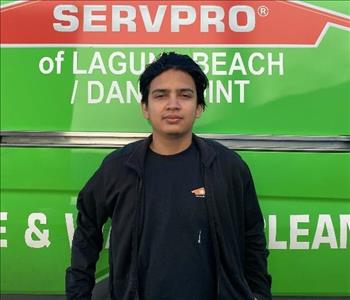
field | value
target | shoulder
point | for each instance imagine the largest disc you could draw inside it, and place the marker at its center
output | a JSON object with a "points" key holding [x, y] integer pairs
{"points": [[117, 158], [227, 158], [224, 153], [122, 153]]}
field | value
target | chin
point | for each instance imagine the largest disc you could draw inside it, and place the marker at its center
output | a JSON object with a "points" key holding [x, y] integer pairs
{"points": [[173, 131], [176, 133]]}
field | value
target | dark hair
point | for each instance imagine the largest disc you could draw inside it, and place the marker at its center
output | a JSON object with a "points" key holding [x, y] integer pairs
{"points": [[174, 61]]}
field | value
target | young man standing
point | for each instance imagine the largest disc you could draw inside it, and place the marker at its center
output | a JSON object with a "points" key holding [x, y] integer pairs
{"points": [[186, 223]]}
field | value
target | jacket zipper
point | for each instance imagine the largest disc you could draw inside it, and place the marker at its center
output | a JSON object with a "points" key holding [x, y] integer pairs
{"points": [[210, 208], [136, 235]]}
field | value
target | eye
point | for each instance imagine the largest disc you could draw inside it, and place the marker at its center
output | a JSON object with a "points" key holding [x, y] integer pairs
{"points": [[159, 96], [186, 95]]}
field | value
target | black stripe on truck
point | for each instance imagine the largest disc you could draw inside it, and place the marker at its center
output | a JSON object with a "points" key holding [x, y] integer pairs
{"points": [[117, 140]]}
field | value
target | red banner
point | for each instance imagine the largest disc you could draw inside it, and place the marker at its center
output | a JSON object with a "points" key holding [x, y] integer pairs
{"points": [[166, 23]]}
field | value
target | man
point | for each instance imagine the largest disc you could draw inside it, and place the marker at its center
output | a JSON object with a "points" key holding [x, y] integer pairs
{"points": [[186, 223]]}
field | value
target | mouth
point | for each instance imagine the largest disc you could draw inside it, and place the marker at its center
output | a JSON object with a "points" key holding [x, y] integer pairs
{"points": [[172, 118]]}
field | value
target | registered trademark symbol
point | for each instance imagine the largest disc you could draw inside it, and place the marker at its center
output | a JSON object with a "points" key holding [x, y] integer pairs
{"points": [[263, 11]]}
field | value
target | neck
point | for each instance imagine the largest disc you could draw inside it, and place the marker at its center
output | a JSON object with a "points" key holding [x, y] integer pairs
{"points": [[169, 145]]}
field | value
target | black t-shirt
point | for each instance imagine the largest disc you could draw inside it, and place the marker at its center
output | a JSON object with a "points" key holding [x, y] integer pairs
{"points": [[176, 259]]}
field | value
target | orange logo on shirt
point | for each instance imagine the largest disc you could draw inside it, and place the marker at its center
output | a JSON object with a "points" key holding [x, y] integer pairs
{"points": [[199, 193]]}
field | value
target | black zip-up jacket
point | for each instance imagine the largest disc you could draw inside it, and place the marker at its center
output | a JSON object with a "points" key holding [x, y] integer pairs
{"points": [[115, 191]]}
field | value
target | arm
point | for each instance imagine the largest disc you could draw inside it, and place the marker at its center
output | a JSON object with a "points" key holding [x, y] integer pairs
{"points": [[255, 244], [87, 240]]}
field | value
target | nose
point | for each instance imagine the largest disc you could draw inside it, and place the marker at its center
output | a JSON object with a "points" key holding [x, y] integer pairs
{"points": [[173, 102]]}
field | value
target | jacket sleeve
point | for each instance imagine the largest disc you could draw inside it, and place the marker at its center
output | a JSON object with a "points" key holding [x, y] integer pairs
{"points": [[256, 252], [87, 240]]}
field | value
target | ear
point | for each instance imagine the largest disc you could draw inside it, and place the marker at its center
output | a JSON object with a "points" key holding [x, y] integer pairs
{"points": [[199, 111], [145, 110]]}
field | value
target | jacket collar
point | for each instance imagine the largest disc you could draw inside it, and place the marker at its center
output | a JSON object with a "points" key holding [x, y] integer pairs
{"points": [[207, 152], [138, 155], [136, 160]]}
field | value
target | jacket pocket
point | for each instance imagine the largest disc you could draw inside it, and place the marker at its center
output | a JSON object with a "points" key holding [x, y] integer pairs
{"points": [[233, 287], [123, 289]]}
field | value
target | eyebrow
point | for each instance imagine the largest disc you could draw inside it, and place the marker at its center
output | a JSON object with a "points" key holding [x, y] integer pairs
{"points": [[159, 91], [167, 90]]}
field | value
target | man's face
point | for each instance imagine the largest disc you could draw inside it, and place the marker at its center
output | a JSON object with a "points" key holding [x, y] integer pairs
{"points": [[172, 103]]}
